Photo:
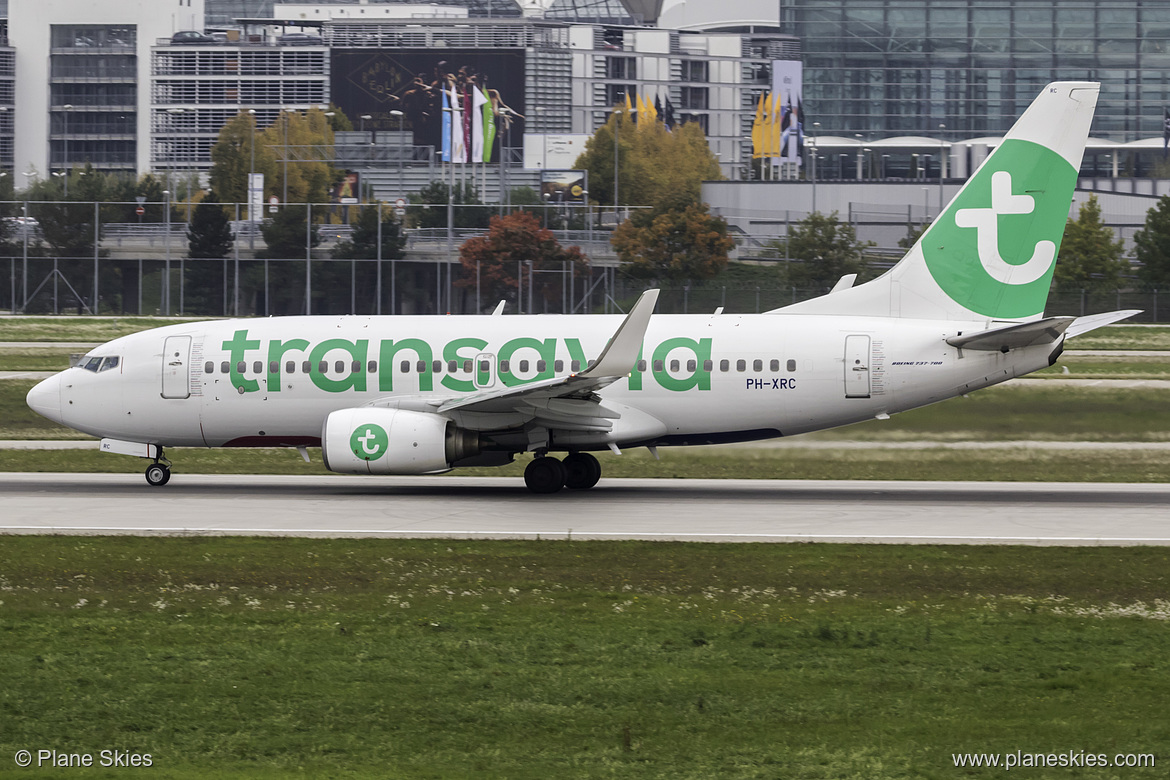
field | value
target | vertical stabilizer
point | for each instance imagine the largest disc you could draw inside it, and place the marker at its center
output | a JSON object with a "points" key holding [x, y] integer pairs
{"points": [[991, 253]]}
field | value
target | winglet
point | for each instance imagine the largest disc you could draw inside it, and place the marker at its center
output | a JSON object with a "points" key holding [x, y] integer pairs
{"points": [[621, 354], [499, 309]]}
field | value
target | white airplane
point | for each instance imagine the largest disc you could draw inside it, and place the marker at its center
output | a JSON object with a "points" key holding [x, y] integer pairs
{"points": [[422, 395]]}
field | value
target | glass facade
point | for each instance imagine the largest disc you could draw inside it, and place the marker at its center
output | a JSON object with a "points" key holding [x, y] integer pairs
{"points": [[93, 94], [903, 67]]}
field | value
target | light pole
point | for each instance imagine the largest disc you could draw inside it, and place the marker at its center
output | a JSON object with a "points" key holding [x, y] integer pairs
{"points": [[859, 144], [618, 114], [367, 142], [401, 151], [253, 201], [816, 129], [884, 157], [166, 287], [284, 116], [65, 155], [942, 166]]}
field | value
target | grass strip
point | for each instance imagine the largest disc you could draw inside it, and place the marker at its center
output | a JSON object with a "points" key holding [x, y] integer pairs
{"points": [[375, 658], [999, 465]]}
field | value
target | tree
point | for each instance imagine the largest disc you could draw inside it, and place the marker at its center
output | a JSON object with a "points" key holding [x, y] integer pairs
{"points": [[210, 232], [241, 148], [1152, 246], [678, 240], [363, 244], [430, 210], [655, 164], [1089, 257], [512, 243], [286, 234], [828, 249]]}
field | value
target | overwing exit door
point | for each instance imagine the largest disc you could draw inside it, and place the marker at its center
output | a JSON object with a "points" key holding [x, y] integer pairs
{"points": [[857, 360]]}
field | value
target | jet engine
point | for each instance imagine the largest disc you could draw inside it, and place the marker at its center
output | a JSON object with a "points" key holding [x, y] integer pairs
{"points": [[374, 440]]}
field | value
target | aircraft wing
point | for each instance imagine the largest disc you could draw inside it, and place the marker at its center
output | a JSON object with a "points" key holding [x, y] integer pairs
{"points": [[1013, 336], [554, 398]]}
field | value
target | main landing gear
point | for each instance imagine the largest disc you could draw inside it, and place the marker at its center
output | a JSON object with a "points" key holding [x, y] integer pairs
{"points": [[578, 471], [159, 472]]}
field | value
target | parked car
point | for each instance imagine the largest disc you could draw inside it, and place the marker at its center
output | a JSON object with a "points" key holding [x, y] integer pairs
{"points": [[192, 38], [300, 39]]}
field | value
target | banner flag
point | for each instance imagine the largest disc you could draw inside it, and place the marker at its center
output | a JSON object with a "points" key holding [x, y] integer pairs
{"points": [[489, 128], [758, 131], [446, 127]]}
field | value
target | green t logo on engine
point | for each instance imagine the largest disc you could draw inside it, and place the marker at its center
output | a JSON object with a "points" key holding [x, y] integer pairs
{"points": [[369, 442]]}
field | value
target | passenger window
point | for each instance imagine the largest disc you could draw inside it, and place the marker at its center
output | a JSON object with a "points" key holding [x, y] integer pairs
{"points": [[452, 366], [273, 367], [523, 366], [558, 366], [757, 365], [658, 365], [405, 367], [674, 365], [355, 367], [437, 367], [575, 366], [290, 366], [774, 365], [504, 367], [467, 366], [724, 365], [540, 366], [257, 367], [691, 365], [485, 366], [241, 367], [372, 367], [641, 365], [421, 367], [322, 367], [339, 366], [791, 365], [209, 367], [708, 365], [306, 367], [741, 365]]}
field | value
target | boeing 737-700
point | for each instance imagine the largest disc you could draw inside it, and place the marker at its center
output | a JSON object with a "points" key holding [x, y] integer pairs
{"points": [[964, 309]]}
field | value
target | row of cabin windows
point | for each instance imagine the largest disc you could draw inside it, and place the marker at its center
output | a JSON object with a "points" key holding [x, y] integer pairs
{"points": [[452, 366]]}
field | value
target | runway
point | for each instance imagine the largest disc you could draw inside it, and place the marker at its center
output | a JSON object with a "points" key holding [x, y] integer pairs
{"points": [[665, 509]]}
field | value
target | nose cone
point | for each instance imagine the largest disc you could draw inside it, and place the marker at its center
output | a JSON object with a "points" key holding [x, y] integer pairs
{"points": [[45, 398]]}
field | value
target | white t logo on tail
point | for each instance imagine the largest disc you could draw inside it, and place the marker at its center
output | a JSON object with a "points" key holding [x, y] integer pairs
{"points": [[986, 224]]}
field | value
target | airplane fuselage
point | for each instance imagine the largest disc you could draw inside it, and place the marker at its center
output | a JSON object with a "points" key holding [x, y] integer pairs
{"points": [[703, 378]]}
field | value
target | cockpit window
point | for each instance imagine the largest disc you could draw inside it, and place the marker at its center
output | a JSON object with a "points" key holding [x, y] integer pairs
{"points": [[99, 364]]}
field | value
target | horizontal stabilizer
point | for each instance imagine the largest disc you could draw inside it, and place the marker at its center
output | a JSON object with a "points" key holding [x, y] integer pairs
{"points": [[1093, 321], [1026, 334]]}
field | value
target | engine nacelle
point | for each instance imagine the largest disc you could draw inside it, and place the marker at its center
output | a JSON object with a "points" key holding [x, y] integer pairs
{"points": [[373, 440]]}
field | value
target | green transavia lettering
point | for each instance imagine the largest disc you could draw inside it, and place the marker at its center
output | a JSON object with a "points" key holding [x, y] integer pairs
{"points": [[541, 354]]}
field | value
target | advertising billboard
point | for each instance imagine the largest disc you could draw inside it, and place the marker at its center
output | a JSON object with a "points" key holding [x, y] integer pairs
{"points": [[563, 186], [374, 82], [787, 89]]}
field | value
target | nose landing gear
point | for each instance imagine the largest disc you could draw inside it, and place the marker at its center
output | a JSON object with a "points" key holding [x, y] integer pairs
{"points": [[159, 472]]}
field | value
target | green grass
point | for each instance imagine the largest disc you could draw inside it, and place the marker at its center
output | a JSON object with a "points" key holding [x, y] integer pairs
{"points": [[1125, 337], [35, 359], [390, 658], [1000, 464], [79, 329]]}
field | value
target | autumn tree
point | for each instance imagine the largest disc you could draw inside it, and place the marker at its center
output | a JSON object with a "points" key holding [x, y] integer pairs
{"points": [[306, 138], [654, 164], [677, 240], [827, 248], [516, 243], [1152, 246]]}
